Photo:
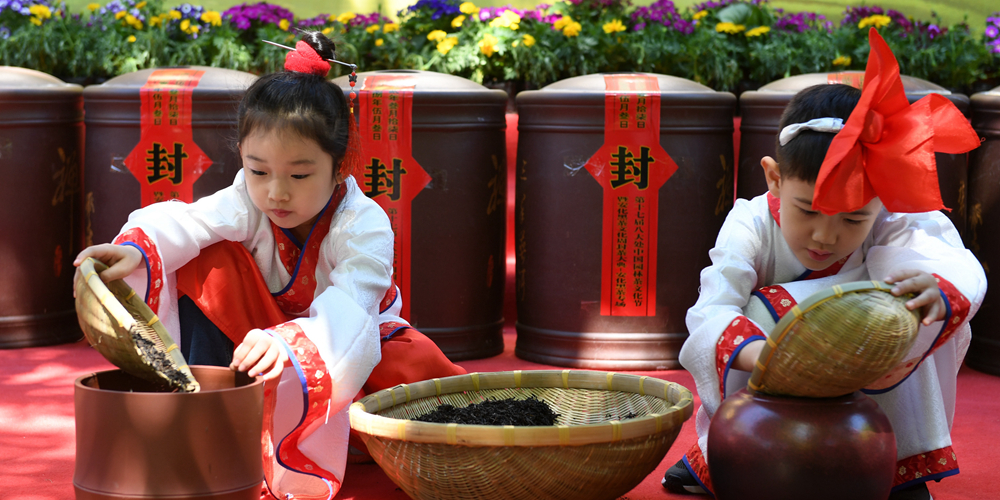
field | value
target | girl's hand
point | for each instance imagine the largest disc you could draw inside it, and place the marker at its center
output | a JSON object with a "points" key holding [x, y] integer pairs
{"points": [[928, 297], [121, 260], [259, 353], [747, 357]]}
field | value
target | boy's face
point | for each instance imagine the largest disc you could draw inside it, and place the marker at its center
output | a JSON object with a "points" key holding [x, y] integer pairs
{"points": [[817, 240]]}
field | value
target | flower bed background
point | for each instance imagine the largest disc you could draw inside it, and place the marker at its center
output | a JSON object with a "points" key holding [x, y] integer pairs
{"points": [[728, 45]]}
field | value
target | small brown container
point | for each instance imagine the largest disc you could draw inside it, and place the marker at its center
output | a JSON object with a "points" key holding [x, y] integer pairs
{"points": [[135, 444], [983, 234], [458, 224], [558, 223], [761, 113], [41, 148], [113, 119]]}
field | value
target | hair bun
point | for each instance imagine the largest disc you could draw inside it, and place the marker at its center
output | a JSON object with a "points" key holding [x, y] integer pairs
{"points": [[305, 59]]}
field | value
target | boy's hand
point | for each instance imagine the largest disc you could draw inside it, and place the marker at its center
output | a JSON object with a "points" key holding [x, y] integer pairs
{"points": [[121, 260], [259, 353], [928, 297]]}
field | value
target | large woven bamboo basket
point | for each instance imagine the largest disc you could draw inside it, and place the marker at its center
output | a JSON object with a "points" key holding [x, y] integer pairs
{"points": [[612, 431], [837, 341], [119, 324]]}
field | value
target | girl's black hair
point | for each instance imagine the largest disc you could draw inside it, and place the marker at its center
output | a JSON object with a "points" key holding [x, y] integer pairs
{"points": [[802, 157], [305, 103]]}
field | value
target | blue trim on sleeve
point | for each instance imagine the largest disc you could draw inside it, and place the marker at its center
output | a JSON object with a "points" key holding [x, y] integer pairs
{"points": [[944, 326], [295, 272], [305, 410], [389, 336], [145, 258], [933, 477], [394, 299], [770, 307], [695, 476], [725, 373]]}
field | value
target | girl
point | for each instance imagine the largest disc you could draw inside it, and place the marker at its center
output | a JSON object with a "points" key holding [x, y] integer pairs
{"points": [[291, 260], [843, 155]]}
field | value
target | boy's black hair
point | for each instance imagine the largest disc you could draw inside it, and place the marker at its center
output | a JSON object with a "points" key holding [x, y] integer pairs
{"points": [[304, 103], [802, 157]]}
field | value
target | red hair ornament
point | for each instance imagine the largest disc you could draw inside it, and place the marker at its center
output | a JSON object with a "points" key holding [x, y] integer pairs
{"points": [[887, 146], [304, 59]]}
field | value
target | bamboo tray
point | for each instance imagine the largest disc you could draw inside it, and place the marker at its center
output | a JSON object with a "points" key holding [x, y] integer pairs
{"points": [[120, 326], [837, 341], [595, 451]]}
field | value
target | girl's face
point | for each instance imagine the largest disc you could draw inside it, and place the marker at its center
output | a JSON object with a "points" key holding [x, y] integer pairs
{"points": [[289, 178]]}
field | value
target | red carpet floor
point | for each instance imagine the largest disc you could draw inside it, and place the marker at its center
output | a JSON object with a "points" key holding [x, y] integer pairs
{"points": [[37, 442]]}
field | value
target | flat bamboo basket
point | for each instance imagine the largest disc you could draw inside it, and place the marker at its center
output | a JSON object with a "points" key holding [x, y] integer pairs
{"points": [[120, 326], [837, 341], [613, 430]]}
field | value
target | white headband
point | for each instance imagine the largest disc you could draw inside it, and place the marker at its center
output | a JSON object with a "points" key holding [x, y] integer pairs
{"points": [[831, 125]]}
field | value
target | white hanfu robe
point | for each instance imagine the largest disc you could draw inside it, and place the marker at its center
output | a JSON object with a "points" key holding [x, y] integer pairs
{"points": [[341, 276], [751, 255]]}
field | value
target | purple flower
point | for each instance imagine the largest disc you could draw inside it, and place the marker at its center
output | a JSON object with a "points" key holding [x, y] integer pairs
{"points": [[438, 8], [243, 16], [664, 13], [365, 20], [992, 32], [801, 21]]}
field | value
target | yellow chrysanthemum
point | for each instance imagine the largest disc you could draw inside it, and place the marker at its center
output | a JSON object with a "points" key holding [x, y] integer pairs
{"points": [[842, 61], [700, 14], [284, 24], [613, 27], [509, 19], [93, 6], [877, 20], [212, 17], [528, 40], [457, 22], [372, 29], [327, 31], [120, 14], [758, 31], [436, 35], [730, 28], [155, 21], [444, 46], [562, 22], [390, 27], [185, 24], [346, 17], [133, 22], [40, 11], [194, 29], [174, 14], [131, 39], [36, 21], [140, 5], [379, 42], [468, 8], [488, 45], [572, 29]]}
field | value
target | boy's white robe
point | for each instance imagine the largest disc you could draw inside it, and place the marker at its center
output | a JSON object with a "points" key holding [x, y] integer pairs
{"points": [[352, 275], [751, 252]]}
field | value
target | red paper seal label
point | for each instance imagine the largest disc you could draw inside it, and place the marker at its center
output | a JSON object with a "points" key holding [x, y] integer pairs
{"points": [[631, 167], [391, 176], [167, 161], [853, 79]]}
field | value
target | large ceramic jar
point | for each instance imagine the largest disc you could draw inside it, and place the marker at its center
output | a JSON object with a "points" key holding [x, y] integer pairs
{"points": [[983, 234], [156, 135], [434, 157], [41, 151], [761, 113], [623, 181]]}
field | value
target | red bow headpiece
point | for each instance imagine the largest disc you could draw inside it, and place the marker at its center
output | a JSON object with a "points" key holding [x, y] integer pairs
{"points": [[304, 59], [887, 146]]}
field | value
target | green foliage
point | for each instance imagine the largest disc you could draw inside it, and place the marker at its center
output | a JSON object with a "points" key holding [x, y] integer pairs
{"points": [[727, 45]]}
